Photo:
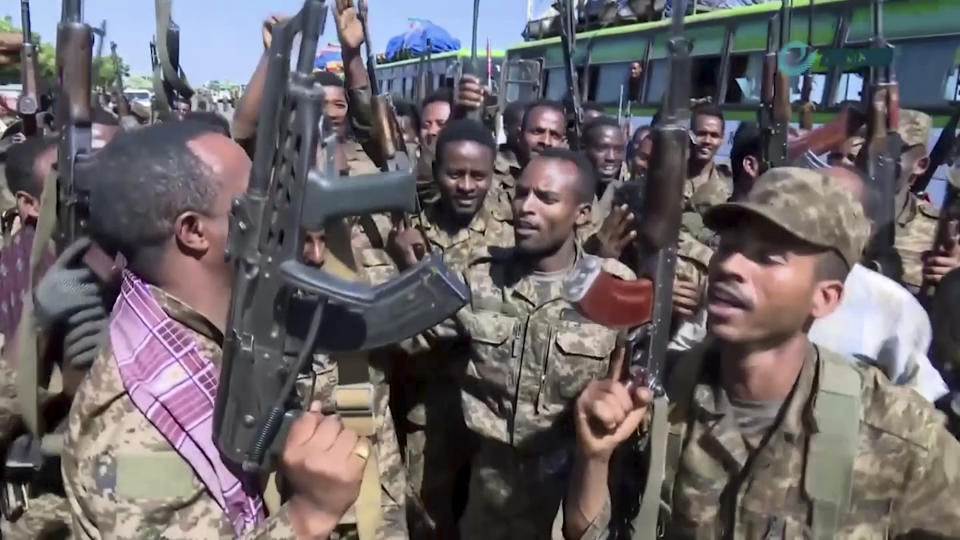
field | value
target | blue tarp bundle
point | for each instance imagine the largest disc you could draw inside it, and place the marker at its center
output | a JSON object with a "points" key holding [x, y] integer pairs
{"points": [[413, 43]]}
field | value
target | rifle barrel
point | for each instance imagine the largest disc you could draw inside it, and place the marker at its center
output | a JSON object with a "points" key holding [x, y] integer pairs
{"points": [[25, 19], [476, 20]]}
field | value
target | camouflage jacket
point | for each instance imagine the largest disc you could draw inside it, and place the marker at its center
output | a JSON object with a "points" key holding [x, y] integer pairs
{"points": [[906, 478], [506, 171], [712, 187], [123, 479], [916, 230], [531, 354], [470, 243], [370, 232]]}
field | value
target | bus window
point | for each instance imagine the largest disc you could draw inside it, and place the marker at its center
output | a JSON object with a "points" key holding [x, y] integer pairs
{"points": [[923, 70], [609, 80], [851, 86], [705, 72], [745, 78], [556, 84], [657, 80]]}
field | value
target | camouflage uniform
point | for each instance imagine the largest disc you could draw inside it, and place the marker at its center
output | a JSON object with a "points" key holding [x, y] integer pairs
{"points": [[531, 354], [841, 421], [435, 430], [124, 480], [917, 220], [370, 232], [712, 187], [905, 475], [506, 172]]}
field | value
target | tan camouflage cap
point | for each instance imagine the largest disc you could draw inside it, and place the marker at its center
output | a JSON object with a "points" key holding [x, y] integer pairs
{"points": [[806, 204], [914, 127]]}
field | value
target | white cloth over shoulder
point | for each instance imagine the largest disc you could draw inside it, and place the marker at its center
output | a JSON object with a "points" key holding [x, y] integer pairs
{"points": [[880, 323]]}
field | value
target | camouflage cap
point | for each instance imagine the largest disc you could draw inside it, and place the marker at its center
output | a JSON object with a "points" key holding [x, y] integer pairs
{"points": [[806, 204], [914, 127]]}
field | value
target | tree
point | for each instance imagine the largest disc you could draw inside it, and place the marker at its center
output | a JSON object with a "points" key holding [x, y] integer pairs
{"points": [[104, 69]]}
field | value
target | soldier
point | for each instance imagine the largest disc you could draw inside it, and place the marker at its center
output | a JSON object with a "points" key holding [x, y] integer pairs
{"points": [[133, 469], [530, 354], [707, 184], [878, 321], [917, 218], [745, 159], [606, 149], [438, 446], [513, 132], [638, 154], [434, 114], [592, 111], [544, 125], [768, 435]]}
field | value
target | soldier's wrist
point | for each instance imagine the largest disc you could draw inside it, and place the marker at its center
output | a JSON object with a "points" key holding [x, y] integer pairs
{"points": [[309, 521]]}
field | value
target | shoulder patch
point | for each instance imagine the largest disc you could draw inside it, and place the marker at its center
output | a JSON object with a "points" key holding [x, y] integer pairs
{"points": [[897, 410], [617, 268]]}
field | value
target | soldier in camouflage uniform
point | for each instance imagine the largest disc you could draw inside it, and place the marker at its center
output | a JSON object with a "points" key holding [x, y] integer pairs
{"points": [[605, 147], [707, 183], [437, 442], [766, 434], [544, 125], [128, 472], [530, 354], [916, 217]]}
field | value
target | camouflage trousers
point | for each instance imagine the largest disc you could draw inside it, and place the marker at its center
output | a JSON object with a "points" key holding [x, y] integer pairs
{"points": [[48, 517], [437, 457], [514, 495]]}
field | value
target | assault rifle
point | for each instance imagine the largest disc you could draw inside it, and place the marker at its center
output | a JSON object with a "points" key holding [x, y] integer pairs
{"points": [[774, 114], [568, 39], [880, 156], [645, 306], [288, 194], [28, 104], [169, 81], [941, 151]]}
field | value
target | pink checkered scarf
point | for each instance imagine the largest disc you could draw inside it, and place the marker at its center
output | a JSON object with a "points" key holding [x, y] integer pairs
{"points": [[174, 386]]}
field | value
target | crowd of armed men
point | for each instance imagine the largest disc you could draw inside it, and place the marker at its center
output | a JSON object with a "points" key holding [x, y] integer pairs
{"points": [[805, 394]]}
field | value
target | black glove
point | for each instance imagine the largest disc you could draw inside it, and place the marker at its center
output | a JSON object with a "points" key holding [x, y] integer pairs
{"points": [[71, 296], [68, 287]]}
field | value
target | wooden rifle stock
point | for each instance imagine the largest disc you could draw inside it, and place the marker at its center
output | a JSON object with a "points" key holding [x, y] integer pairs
{"points": [[28, 104]]}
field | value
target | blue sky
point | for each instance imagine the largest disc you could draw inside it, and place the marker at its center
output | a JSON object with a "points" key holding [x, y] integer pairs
{"points": [[220, 39]]}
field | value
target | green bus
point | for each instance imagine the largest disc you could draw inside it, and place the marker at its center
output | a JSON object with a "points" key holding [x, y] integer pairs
{"points": [[440, 71], [728, 50]]}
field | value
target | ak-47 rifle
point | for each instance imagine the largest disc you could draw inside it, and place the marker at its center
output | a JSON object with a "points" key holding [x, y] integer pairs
{"points": [[880, 156], [74, 66], [28, 104], [568, 39], [774, 114], [123, 107], [949, 214], [806, 106], [287, 194], [169, 81], [627, 304], [473, 68]]}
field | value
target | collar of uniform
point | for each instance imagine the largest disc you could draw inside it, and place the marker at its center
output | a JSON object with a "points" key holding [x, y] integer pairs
{"points": [[506, 160], [519, 283], [711, 399], [186, 315], [909, 210]]}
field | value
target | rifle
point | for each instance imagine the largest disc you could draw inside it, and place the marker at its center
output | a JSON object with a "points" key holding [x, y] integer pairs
{"points": [[806, 107], [255, 402], [123, 107], [473, 69], [774, 115], [169, 79], [568, 38], [101, 33], [881, 153], [29, 101], [949, 212]]}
